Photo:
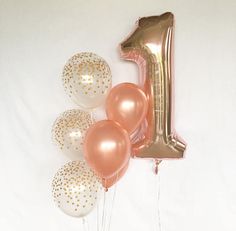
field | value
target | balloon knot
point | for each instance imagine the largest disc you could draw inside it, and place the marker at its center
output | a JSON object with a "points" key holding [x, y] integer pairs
{"points": [[156, 169], [157, 162]]}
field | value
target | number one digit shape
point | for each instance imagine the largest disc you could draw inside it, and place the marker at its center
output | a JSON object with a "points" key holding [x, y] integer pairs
{"points": [[150, 47]]}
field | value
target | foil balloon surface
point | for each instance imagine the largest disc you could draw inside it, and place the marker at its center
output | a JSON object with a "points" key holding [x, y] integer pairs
{"points": [[150, 46]]}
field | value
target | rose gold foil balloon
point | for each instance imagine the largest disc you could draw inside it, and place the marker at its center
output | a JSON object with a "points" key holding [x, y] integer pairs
{"points": [[107, 148], [127, 105], [150, 46], [107, 183]]}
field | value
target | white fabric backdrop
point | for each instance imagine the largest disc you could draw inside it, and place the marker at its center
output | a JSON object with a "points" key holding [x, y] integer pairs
{"points": [[37, 38]]}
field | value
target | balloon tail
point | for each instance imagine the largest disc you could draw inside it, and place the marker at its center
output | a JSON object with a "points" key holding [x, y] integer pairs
{"points": [[105, 184], [156, 169], [157, 162]]}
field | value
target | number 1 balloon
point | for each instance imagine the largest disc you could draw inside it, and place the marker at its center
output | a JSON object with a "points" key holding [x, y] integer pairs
{"points": [[150, 47]]}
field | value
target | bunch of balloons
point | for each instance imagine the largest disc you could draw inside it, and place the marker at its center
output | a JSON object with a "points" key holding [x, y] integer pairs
{"points": [[100, 151], [139, 118]]}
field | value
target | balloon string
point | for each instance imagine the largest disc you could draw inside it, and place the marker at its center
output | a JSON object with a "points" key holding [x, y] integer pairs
{"points": [[112, 203], [103, 212], [88, 228], [98, 216], [84, 224], [91, 116], [158, 201]]}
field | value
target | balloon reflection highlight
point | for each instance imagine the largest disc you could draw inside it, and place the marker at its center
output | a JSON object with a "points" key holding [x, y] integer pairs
{"points": [[127, 104]]}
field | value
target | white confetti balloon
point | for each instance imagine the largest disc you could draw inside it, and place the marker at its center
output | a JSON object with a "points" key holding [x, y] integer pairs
{"points": [[69, 130], [76, 189], [87, 80]]}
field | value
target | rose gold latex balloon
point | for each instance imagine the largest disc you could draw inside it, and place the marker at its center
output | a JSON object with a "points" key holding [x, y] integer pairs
{"points": [[150, 46], [107, 148], [127, 104], [107, 183]]}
